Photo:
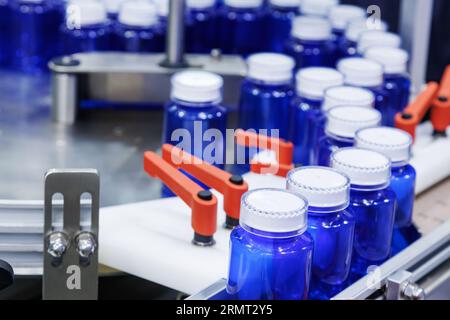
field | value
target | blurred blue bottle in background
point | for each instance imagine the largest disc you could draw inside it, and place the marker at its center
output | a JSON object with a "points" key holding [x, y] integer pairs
{"points": [[340, 130], [270, 252], [396, 79], [113, 8], [372, 203], [377, 38], [318, 8], [194, 118], [86, 28], [138, 28], [395, 144], [33, 34], [5, 15], [306, 109], [367, 74], [340, 16], [311, 43], [201, 26], [241, 27], [279, 22], [330, 224]]}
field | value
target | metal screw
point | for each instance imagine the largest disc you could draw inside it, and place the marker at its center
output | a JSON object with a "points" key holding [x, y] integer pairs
{"points": [[58, 243], [86, 244], [412, 291]]}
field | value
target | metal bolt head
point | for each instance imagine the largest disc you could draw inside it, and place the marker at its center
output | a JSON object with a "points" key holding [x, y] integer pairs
{"points": [[412, 291], [57, 244], [86, 244]]}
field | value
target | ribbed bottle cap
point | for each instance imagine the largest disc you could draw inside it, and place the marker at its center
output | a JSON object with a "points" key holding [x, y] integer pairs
{"points": [[317, 7], [286, 3], [363, 167], [376, 38], [357, 27], [244, 3], [393, 143], [341, 15], [200, 4], [311, 28], [346, 121], [138, 13], [274, 210], [113, 6], [361, 72], [197, 86], [312, 82], [322, 187], [394, 60], [348, 96], [270, 67], [87, 12]]}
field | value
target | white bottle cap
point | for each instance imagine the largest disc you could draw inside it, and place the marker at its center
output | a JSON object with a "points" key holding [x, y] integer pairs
{"points": [[163, 7], [87, 12], [200, 4], [376, 38], [322, 187], [197, 86], [363, 167], [348, 96], [342, 14], [317, 7], [356, 27], [312, 82], [392, 142], [286, 3], [270, 67], [394, 60], [138, 13], [311, 28], [346, 121], [244, 3], [274, 210], [361, 72], [113, 6]]}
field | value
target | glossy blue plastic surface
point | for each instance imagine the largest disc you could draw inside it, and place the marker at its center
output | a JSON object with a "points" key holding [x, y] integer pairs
{"points": [[398, 87], [333, 246], [201, 30], [403, 238], [347, 49], [87, 39], [278, 25], [383, 103], [268, 268], [326, 145], [312, 53], [241, 30], [403, 182], [33, 34], [5, 15], [135, 39], [374, 212], [305, 121]]}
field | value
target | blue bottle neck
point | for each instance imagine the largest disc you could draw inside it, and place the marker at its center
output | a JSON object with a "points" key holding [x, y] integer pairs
{"points": [[326, 211], [314, 103], [367, 190], [285, 10], [250, 10], [312, 43], [195, 105], [271, 235], [270, 85], [339, 139]]}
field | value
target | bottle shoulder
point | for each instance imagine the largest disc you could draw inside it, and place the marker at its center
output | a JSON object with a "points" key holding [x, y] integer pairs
{"points": [[277, 90], [192, 111], [404, 172], [331, 220], [375, 197]]}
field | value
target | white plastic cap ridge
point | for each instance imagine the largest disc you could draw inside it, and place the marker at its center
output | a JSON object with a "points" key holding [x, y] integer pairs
{"points": [[348, 96], [270, 67], [314, 81], [197, 86]]}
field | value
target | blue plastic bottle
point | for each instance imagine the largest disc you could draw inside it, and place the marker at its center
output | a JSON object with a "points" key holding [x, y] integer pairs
{"points": [[87, 27], [372, 203], [137, 28], [194, 119], [340, 129], [318, 8], [367, 74], [113, 8], [311, 43], [377, 38], [340, 16], [33, 34], [279, 22], [201, 26], [330, 224], [241, 27], [306, 109], [395, 144], [5, 15], [271, 251], [396, 79]]}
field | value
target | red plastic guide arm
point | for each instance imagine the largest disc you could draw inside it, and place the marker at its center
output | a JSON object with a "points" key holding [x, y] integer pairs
{"points": [[440, 113], [284, 151]]}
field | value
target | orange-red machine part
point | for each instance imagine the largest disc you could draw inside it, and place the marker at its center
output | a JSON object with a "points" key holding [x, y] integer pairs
{"points": [[284, 151], [204, 212], [440, 113], [210, 175], [409, 119]]}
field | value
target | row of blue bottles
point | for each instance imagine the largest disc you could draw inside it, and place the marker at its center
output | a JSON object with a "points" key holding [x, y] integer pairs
{"points": [[194, 118], [329, 223], [340, 130], [271, 251], [279, 22]]}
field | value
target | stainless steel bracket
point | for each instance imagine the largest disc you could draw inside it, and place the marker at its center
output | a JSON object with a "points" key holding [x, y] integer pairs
{"points": [[71, 250]]}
